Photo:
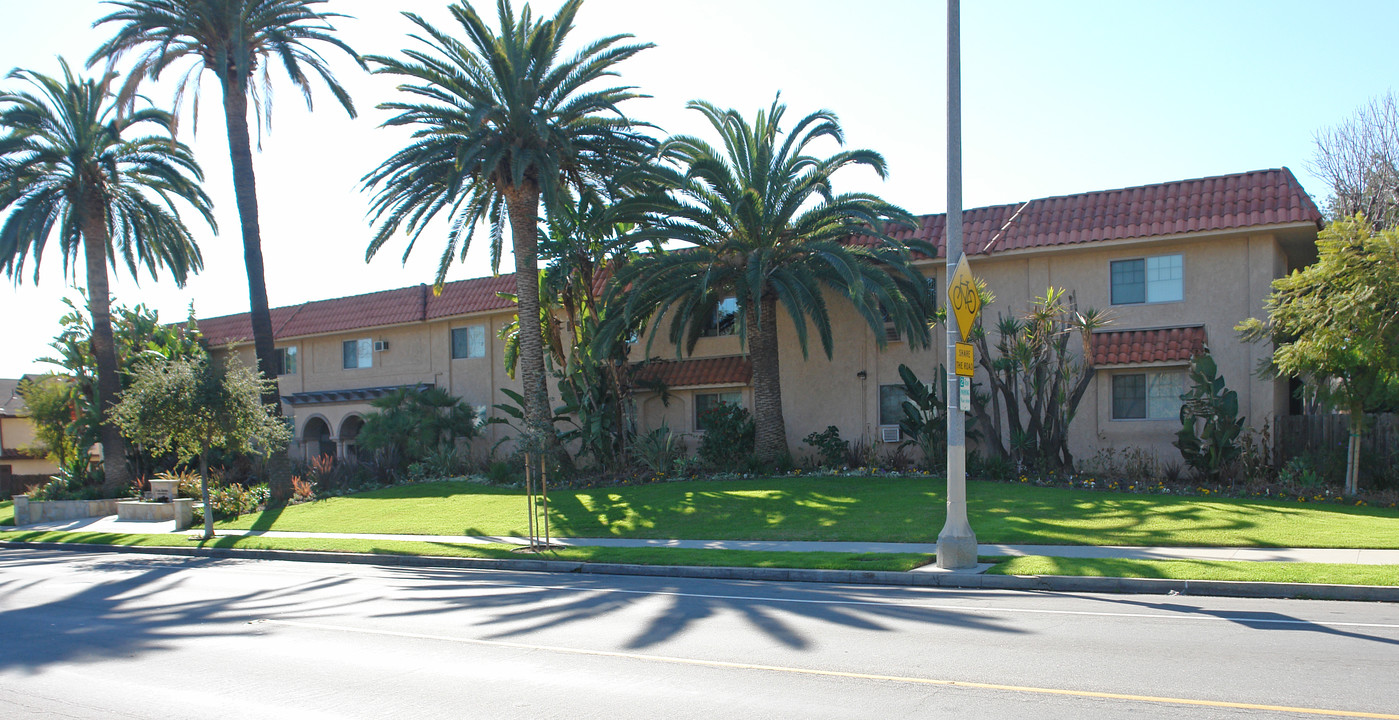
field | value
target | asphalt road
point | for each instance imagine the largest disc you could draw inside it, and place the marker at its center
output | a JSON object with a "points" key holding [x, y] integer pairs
{"points": [[135, 636]]}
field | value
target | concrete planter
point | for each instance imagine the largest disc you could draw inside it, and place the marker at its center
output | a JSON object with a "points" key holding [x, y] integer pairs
{"points": [[27, 513], [181, 511]]}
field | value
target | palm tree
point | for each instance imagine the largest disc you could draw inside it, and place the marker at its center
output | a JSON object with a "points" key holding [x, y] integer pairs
{"points": [[501, 123], [239, 41], [763, 226], [66, 160]]}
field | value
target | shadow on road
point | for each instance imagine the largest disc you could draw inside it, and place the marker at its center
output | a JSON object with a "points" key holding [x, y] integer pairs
{"points": [[116, 617], [1255, 620], [522, 606]]}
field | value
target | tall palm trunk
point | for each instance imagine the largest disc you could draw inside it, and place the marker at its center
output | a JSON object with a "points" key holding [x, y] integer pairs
{"points": [[104, 346], [523, 205], [240, 151], [770, 429], [235, 112]]}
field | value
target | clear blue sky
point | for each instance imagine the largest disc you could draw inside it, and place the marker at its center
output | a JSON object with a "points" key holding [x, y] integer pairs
{"points": [[1059, 97]]}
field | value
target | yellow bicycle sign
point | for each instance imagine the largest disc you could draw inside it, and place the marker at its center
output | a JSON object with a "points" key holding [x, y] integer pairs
{"points": [[963, 298]]}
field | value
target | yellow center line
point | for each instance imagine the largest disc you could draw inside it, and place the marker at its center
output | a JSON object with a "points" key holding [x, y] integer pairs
{"points": [[838, 673]]}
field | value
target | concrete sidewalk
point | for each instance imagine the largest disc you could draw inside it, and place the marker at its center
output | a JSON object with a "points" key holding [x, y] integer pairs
{"points": [[1252, 554]]}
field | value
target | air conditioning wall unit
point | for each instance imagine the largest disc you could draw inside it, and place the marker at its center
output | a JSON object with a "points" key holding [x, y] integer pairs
{"points": [[889, 434], [381, 345]]}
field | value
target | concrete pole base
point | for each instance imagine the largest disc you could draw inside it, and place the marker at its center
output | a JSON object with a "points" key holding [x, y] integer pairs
{"points": [[956, 551]]}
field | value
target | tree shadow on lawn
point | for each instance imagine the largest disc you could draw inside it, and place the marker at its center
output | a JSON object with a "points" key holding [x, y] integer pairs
{"points": [[523, 605], [123, 616], [756, 510]]}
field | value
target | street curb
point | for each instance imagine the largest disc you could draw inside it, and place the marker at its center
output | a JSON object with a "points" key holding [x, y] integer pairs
{"points": [[1044, 583]]}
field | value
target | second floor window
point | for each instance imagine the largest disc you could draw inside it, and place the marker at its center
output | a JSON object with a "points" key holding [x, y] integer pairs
{"points": [[286, 360], [359, 353], [1148, 280], [469, 342], [722, 321]]}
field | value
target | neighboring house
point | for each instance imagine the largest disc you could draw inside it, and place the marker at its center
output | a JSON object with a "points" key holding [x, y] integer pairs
{"points": [[17, 435], [1178, 264]]}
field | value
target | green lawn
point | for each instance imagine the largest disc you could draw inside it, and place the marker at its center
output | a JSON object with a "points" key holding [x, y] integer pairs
{"points": [[854, 509], [7, 512], [1203, 570], [896, 562]]}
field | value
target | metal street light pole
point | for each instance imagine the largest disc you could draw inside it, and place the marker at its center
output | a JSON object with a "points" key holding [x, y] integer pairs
{"points": [[956, 542]]}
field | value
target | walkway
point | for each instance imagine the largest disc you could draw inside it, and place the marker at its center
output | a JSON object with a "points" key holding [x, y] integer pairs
{"points": [[110, 524]]}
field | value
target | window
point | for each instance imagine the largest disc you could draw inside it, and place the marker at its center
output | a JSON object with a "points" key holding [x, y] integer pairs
{"points": [[286, 360], [359, 353], [722, 321], [1147, 396], [891, 404], [891, 331], [469, 342], [707, 401], [1148, 280]]}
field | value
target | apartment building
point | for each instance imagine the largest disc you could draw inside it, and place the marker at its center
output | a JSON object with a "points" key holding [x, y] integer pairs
{"points": [[1177, 264]]}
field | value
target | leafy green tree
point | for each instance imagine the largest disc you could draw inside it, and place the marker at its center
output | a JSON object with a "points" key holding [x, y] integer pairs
{"points": [[417, 423], [501, 123], [70, 162], [1336, 325], [139, 336], [239, 41], [51, 411], [760, 223], [191, 407]]}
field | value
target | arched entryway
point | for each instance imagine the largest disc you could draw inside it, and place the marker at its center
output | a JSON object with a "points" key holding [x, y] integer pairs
{"points": [[349, 430], [316, 439]]}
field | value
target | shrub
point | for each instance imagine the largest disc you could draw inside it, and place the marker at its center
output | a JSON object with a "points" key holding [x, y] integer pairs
{"points": [[1210, 421], [503, 473], [993, 467], [829, 445], [302, 489], [418, 423], [924, 420], [727, 442], [896, 459], [658, 450]]}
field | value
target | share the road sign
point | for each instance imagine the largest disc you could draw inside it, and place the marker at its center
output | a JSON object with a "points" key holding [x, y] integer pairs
{"points": [[966, 365], [963, 297]]}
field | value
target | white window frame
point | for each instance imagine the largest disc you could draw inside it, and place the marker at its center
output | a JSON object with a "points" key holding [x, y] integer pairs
{"points": [[474, 334], [364, 353], [1164, 280], [284, 354], [1162, 388], [715, 326]]}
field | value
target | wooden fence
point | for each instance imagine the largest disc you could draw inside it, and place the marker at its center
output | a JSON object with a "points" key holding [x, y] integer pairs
{"points": [[11, 484], [1294, 435]]}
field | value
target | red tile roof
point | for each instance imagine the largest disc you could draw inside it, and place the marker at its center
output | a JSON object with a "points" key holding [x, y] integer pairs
{"points": [[732, 369], [1226, 202], [470, 296], [389, 307], [1144, 346]]}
